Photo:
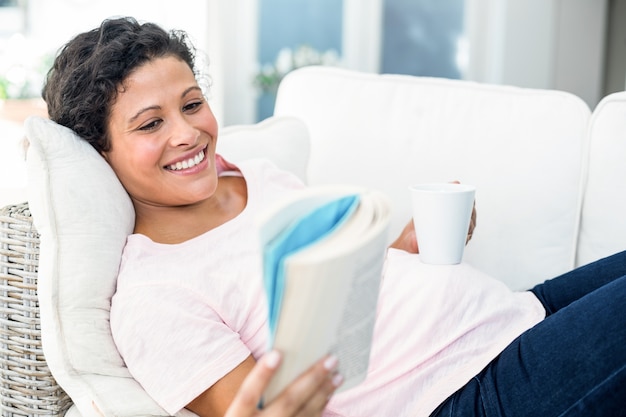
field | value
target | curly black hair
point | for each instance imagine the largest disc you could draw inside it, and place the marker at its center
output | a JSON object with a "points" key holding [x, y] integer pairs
{"points": [[83, 83]]}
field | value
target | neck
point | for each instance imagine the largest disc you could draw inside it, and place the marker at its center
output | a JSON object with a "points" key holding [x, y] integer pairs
{"points": [[176, 224]]}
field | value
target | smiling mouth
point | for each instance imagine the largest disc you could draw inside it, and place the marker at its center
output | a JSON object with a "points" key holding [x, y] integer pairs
{"points": [[187, 163]]}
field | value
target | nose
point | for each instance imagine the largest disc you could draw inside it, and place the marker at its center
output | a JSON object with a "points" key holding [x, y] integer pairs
{"points": [[183, 133]]}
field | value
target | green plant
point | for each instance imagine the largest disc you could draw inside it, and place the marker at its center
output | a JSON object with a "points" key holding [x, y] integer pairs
{"points": [[3, 88], [287, 60], [22, 70]]}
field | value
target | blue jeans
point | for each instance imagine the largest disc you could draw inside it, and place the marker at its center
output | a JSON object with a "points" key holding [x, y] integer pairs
{"points": [[573, 363]]}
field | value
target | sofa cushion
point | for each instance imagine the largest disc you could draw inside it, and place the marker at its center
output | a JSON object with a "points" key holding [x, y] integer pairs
{"points": [[84, 215]]}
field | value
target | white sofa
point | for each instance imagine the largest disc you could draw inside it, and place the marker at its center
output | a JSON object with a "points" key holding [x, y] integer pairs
{"points": [[548, 174]]}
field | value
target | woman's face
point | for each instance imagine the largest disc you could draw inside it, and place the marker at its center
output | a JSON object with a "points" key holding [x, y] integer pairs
{"points": [[163, 136]]}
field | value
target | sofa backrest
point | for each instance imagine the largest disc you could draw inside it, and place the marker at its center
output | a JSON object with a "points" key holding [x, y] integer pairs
{"points": [[603, 217], [522, 148]]}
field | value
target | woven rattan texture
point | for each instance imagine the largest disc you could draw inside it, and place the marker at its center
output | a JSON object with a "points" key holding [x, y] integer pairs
{"points": [[27, 387]]}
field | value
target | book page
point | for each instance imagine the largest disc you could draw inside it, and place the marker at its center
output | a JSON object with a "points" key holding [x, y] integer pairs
{"points": [[356, 326]]}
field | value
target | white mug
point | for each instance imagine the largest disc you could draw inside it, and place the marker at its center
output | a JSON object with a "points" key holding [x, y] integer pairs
{"points": [[441, 216]]}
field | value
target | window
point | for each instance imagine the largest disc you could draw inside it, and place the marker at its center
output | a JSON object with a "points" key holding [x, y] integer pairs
{"points": [[423, 37], [299, 26]]}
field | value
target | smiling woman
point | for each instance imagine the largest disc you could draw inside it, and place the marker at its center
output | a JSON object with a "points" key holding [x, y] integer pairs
{"points": [[159, 134], [161, 120], [189, 316]]}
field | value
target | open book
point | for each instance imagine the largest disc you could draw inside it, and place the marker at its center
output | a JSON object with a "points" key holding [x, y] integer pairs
{"points": [[323, 253]]}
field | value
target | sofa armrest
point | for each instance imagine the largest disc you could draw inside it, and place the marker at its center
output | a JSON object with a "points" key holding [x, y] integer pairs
{"points": [[602, 232]]}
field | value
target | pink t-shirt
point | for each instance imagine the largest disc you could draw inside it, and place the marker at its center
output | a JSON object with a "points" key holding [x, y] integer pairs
{"points": [[185, 315]]}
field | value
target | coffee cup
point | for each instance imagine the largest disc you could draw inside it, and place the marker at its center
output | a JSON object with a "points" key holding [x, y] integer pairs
{"points": [[441, 217]]}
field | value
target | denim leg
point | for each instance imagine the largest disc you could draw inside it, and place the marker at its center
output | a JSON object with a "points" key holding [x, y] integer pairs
{"points": [[572, 364], [466, 402], [559, 292]]}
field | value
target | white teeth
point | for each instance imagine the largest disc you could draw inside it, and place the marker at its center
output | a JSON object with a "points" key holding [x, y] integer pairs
{"points": [[191, 162]]}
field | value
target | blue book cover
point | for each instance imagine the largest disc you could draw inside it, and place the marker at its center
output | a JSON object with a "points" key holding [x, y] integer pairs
{"points": [[301, 233]]}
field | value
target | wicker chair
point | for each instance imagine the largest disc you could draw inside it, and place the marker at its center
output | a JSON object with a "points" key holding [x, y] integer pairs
{"points": [[27, 386]]}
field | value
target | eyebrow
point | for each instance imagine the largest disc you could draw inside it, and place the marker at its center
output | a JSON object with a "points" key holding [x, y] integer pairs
{"points": [[157, 107]]}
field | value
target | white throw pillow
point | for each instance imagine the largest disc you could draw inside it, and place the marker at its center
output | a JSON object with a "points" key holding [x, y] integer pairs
{"points": [[84, 215], [283, 140]]}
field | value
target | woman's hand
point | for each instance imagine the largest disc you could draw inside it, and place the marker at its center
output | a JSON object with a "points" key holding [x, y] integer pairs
{"points": [[472, 225], [407, 240], [307, 396]]}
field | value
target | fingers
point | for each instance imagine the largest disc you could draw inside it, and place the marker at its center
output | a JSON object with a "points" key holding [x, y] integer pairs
{"points": [[472, 226], [309, 393], [407, 240], [249, 395], [315, 406]]}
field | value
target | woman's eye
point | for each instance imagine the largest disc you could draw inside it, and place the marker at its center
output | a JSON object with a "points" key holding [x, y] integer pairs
{"points": [[192, 106], [150, 125]]}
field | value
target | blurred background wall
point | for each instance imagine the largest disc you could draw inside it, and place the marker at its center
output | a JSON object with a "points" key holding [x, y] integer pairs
{"points": [[248, 45]]}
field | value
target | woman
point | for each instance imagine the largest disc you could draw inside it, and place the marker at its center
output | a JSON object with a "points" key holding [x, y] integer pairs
{"points": [[448, 341]]}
